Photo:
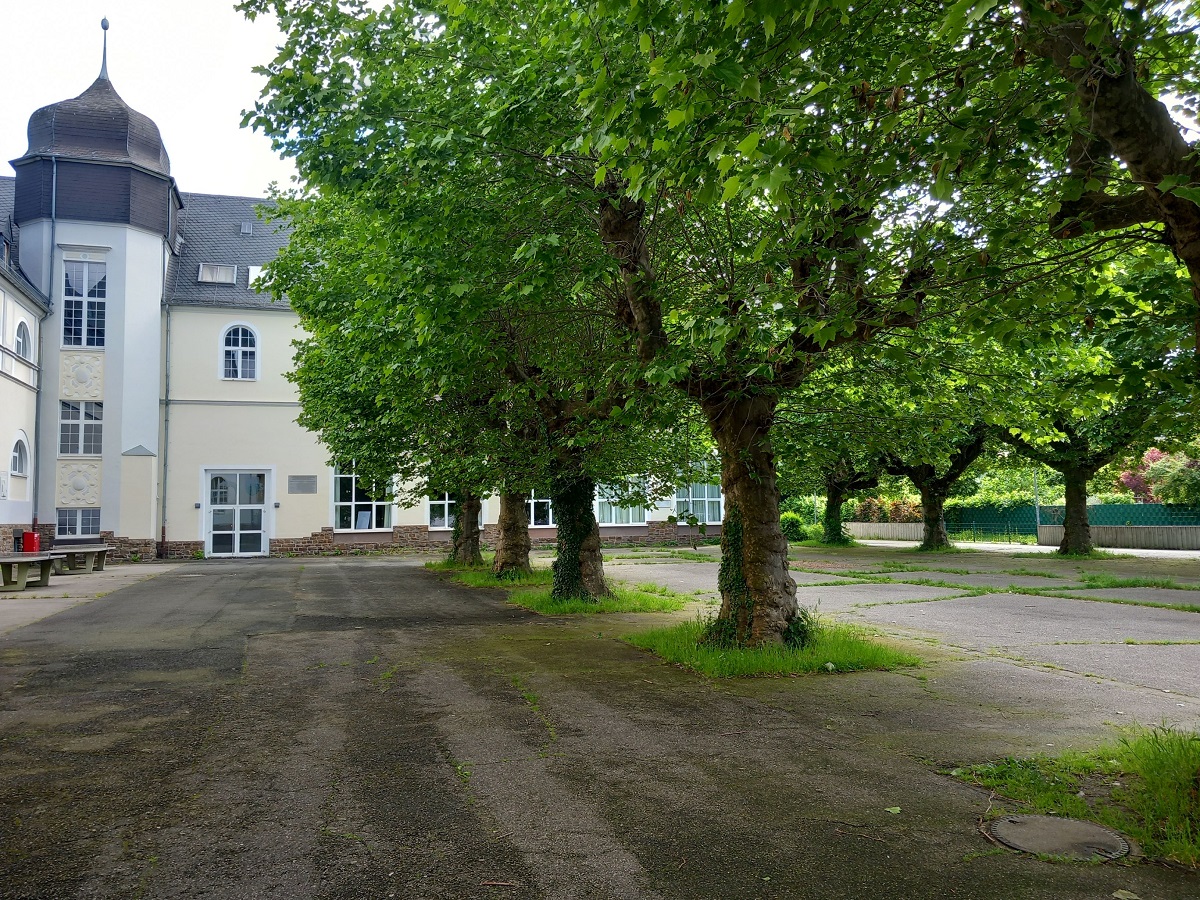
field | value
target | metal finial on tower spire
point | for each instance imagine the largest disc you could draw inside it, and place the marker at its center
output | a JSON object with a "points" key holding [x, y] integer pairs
{"points": [[104, 58]]}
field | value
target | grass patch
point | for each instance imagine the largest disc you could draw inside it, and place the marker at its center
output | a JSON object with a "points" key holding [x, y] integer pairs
{"points": [[1031, 573], [1100, 580], [623, 600], [845, 647], [485, 578], [1145, 785], [1054, 554], [694, 556], [972, 535]]}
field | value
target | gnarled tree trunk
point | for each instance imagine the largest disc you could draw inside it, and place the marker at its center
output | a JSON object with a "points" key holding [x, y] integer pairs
{"points": [[465, 549], [758, 596], [1077, 533], [831, 523], [512, 542], [933, 505], [579, 566]]}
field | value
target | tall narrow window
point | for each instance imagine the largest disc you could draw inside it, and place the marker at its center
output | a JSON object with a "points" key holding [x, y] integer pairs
{"points": [[81, 428], [241, 350], [85, 288], [24, 346], [20, 459]]}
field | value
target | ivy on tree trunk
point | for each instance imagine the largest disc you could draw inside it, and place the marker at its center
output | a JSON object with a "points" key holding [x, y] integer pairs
{"points": [[841, 480], [512, 542], [579, 566], [758, 596]]}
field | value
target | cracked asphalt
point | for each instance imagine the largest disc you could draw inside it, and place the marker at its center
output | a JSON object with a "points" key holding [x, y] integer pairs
{"points": [[359, 727]]}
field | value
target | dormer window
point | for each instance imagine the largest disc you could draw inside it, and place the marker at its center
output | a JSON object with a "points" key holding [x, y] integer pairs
{"points": [[213, 274], [247, 228]]}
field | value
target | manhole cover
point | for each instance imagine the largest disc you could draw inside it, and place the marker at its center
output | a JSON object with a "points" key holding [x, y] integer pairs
{"points": [[1053, 836]]}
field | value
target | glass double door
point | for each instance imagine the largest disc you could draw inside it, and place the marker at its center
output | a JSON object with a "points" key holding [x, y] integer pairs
{"points": [[237, 503]]}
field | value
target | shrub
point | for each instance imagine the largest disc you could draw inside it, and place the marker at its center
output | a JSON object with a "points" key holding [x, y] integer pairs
{"points": [[814, 532], [904, 511], [793, 526]]}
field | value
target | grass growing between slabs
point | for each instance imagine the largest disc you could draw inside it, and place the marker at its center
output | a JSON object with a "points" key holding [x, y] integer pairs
{"points": [[834, 648], [532, 592], [1147, 785]]}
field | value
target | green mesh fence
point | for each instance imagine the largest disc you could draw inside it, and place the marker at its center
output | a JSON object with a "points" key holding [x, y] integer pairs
{"points": [[1128, 514]]}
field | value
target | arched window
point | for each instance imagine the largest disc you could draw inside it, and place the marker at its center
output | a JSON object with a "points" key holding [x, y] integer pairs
{"points": [[20, 459], [241, 350], [24, 346]]}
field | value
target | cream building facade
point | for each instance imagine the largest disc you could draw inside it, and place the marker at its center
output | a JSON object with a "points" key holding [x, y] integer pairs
{"points": [[143, 379]]}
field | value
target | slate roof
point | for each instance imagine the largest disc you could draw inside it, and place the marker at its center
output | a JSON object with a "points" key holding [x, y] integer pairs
{"points": [[211, 227], [9, 233], [98, 125]]}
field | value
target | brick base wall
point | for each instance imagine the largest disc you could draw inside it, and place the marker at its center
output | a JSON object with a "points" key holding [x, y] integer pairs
{"points": [[182, 549], [130, 549], [9, 535]]}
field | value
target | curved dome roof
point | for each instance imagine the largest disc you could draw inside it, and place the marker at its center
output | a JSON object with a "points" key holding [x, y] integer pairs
{"points": [[98, 125]]}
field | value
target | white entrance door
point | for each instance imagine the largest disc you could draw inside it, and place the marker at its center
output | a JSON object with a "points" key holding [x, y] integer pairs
{"points": [[237, 503]]}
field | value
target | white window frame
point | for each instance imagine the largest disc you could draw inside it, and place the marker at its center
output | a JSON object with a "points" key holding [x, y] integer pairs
{"points": [[602, 500], [530, 507], [23, 342], [18, 464], [94, 426], [255, 350], [73, 520], [388, 506], [444, 500], [253, 273], [90, 308], [213, 270], [685, 498]]}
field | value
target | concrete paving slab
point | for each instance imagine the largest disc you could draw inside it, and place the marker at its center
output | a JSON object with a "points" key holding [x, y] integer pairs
{"points": [[1172, 669], [843, 598], [20, 608], [1152, 595], [1016, 621]]}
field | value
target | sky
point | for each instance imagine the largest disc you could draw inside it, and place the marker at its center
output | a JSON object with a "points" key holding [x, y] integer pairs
{"points": [[184, 63]]}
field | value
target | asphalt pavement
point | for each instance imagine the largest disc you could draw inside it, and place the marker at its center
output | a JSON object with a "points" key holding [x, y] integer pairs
{"points": [[360, 728]]}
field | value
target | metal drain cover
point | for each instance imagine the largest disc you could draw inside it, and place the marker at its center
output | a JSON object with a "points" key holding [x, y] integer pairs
{"points": [[1054, 836]]}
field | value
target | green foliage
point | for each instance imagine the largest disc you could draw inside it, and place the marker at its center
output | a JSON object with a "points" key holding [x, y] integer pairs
{"points": [[622, 600], [835, 648], [803, 630], [1144, 785], [870, 509], [1176, 479], [794, 527]]}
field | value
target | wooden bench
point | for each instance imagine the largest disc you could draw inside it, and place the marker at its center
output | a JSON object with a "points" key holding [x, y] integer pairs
{"points": [[81, 557], [15, 568]]}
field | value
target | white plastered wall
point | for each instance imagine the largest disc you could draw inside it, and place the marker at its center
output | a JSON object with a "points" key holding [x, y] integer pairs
{"points": [[250, 425]]}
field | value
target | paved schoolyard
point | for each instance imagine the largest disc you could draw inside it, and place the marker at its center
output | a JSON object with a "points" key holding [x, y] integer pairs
{"points": [[1111, 663], [361, 728]]}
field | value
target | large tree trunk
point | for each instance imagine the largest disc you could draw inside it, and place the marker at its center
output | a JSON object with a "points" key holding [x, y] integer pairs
{"points": [[758, 597], [512, 542], [835, 498], [579, 566], [1077, 534], [465, 549], [933, 503]]}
